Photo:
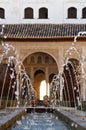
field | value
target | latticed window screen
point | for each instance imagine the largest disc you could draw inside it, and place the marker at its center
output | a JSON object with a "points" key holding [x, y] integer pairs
{"points": [[28, 13], [84, 12], [2, 13], [43, 13], [72, 12]]}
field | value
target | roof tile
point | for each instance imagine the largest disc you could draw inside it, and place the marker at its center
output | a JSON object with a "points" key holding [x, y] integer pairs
{"points": [[42, 30]]}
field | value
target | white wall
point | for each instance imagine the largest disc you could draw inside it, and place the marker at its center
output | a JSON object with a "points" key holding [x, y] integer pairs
{"points": [[79, 4], [57, 11]]}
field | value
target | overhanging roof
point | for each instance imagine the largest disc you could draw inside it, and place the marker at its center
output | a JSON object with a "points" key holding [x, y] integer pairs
{"points": [[42, 31]]}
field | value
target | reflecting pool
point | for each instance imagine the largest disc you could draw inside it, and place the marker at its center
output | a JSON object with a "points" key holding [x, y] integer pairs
{"points": [[40, 121]]}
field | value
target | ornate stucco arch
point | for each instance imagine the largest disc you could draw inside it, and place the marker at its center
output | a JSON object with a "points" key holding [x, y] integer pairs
{"points": [[47, 68], [42, 51]]}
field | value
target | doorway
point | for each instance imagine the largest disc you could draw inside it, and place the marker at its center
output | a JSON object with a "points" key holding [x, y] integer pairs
{"points": [[40, 66]]}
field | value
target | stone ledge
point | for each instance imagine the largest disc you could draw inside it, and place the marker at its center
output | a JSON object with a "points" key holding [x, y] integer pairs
{"points": [[78, 123], [8, 121]]}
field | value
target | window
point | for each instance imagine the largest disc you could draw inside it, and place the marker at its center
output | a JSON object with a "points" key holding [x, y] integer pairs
{"points": [[39, 60], [84, 12], [32, 60], [2, 13], [72, 13], [46, 59], [43, 13], [28, 13]]}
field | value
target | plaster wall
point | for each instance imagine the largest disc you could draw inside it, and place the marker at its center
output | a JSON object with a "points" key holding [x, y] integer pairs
{"points": [[57, 11]]}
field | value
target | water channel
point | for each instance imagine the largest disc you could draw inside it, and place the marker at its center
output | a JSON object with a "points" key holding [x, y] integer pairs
{"points": [[40, 121]]}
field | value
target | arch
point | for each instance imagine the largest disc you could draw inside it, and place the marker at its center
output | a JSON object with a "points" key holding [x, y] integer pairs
{"points": [[2, 13], [72, 12], [32, 52], [39, 57], [74, 61], [43, 13], [51, 77], [38, 72], [28, 13], [40, 69], [84, 12], [71, 74], [39, 76], [43, 90]]}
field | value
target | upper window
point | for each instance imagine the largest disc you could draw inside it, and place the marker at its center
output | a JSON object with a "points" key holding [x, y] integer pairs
{"points": [[84, 12], [2, 13], [43, 13], [28, 13], [72, 13]]}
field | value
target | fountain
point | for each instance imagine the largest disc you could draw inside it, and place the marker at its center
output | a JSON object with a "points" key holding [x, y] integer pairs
{"points": [[63, 100], [16, 85], [15, 73], [15, 77], [65, 91], [66, 85], [17, 90]]}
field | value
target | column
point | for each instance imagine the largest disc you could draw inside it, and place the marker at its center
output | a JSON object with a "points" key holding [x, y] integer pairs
{"points": [[47, 79], [83, 67], [32, 74]]}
